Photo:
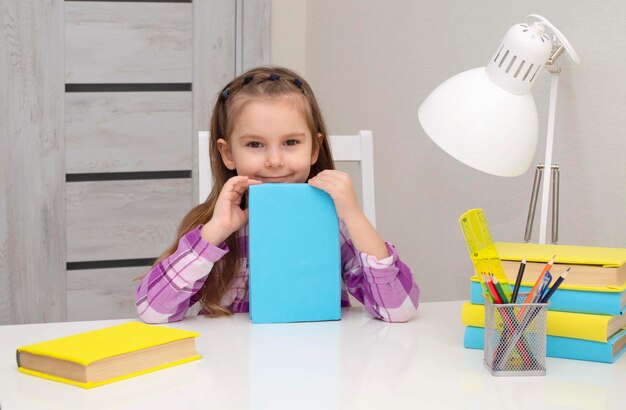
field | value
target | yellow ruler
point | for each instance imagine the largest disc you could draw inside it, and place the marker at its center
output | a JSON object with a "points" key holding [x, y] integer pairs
{"points": [[481, 247]]}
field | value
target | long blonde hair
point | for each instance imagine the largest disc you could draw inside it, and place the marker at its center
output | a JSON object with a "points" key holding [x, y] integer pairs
{"points": [[255, 83]]}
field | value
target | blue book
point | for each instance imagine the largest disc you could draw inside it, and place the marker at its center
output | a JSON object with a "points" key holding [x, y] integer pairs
{"points": [[567, 300], [294, 255], [563, 347]]}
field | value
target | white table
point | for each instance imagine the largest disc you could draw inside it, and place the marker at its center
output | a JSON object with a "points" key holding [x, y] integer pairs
{"points": [[355, 363]]}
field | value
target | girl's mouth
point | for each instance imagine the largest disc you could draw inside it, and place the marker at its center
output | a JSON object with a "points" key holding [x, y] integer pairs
{"points": [[273, 179]]}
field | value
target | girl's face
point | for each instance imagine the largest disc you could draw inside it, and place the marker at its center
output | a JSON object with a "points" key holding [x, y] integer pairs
{"points": [[270, 141]]}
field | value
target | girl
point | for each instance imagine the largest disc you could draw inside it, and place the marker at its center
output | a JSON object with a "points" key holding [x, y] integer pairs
{"points": [[267, 127]]}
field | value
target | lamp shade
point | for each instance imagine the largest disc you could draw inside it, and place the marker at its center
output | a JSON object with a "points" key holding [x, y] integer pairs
{"points": [[481, 124], [486, 117]]}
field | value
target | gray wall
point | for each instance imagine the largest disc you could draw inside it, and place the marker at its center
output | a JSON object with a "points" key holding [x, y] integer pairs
{"points": [[373, 62]]}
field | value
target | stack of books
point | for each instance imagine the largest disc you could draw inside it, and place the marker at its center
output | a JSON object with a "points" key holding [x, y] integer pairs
{"points": [[586, 318]]}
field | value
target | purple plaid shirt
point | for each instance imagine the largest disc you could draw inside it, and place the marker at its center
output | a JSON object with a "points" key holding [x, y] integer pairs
{"points": [[385, 287]]}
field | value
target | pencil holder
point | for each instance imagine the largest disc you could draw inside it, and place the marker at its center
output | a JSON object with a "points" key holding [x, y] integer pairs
{"points": [[515, 338]]}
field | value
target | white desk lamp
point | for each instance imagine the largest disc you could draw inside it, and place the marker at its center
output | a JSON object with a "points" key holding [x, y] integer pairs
{"points": [[486, 117]]}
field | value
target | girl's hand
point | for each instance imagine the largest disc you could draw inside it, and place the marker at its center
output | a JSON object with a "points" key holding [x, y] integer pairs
{"points": [[228, 217], [338, 185]]}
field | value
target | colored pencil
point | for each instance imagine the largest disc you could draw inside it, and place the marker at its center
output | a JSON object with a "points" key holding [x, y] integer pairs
{"points": [[531, 294], [518, 280], [511, 322], [498, 287], [486, 290], [492, 289]]}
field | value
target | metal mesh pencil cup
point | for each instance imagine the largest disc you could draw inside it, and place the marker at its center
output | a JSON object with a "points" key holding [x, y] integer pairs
{"points": [[515, 338]]}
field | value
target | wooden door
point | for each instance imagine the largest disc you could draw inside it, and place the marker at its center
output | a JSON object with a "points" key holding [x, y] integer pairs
{"points": [[139, 79]]}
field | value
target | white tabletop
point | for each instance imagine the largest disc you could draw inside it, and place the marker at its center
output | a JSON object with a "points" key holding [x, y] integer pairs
{"points": [[355, 363]]}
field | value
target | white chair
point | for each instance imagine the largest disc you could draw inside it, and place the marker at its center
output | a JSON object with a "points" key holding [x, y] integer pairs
{"points": [[353, 148]]}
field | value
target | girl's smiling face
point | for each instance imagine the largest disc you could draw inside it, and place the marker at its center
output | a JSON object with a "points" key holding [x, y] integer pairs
{"points": [[270, 141]]}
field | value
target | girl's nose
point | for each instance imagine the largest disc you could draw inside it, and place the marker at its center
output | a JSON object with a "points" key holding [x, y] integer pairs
{"points": [[274, 159]]}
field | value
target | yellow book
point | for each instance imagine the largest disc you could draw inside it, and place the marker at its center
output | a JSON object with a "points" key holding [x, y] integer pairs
{"points": [[565, 254], [580, 277], [592, 268], [107, 355], [597, 328]]}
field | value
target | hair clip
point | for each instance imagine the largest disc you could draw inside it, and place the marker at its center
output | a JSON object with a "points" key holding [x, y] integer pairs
{"points": [[247, 80], [274, 77], [298, 82], [225, 93]]}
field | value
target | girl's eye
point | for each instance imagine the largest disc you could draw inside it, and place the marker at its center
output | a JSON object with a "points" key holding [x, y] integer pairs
{"points": [[254, 144], [292, 142]]}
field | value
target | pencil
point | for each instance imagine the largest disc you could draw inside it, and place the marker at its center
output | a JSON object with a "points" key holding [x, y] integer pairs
{"points": [[499, 289], [492, 289], [546, 268], [504, 352], [486, 290], [509, 319], [518, 280], [555, 286]]}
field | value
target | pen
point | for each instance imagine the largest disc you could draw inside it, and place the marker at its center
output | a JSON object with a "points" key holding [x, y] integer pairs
{"points": [[543, 287], [555, 286], [518, 280], [531, 294]]}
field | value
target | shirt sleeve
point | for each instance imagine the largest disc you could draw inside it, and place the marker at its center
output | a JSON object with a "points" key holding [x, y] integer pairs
{"points": [[172, 286], [385, 287]]}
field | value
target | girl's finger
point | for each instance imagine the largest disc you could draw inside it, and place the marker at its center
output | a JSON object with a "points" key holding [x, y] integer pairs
{"points": [[240, 189], [325, 181], [235, 187], [232, 196], [324, 186], [246, 182]]}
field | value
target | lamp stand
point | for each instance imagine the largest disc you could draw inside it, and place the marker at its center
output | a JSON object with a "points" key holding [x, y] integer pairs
{"points": [[555, 176], [551, 179]]}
